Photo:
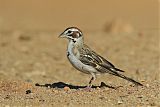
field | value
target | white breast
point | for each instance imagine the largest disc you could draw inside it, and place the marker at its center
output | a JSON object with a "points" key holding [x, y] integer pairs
{"points": [[77, 63]]}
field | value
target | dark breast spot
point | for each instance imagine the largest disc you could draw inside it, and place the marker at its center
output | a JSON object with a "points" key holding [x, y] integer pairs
{"points": [[73, 40], [68, 54]]}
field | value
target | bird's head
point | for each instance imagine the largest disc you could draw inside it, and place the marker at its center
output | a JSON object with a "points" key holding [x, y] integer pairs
{"points": [[72, 34]]}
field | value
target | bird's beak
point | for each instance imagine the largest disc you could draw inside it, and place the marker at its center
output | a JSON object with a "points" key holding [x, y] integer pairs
{"points": [[62, 35]]}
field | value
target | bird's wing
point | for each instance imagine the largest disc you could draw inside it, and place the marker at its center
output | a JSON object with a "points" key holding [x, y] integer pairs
{"points": [[89, 57]]}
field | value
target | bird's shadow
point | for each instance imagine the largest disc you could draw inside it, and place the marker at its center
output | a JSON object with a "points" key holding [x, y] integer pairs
{"points": [[61, 85]]}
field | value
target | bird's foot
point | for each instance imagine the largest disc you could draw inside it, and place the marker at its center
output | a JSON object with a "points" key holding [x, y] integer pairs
{"points": [[88, 88]]}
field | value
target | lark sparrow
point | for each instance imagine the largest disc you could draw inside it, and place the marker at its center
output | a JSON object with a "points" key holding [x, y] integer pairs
{"points": [[86, 60]]}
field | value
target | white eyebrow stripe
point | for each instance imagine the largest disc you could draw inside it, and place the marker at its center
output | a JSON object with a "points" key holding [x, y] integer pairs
{"points": [[74, 29]]}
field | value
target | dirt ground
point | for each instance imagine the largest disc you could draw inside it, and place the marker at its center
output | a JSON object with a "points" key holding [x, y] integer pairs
{"points": [[34, 70]]}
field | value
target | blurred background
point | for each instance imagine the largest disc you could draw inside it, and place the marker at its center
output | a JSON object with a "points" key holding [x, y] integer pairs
{"points": [[123, 31], [89, 15]]}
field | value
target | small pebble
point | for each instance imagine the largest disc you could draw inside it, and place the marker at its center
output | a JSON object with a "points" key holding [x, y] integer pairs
{"points": [[120, 102], [147, 85], [98, 88], [143, 80], [28, 91], [66, 88], [55, 91], [37, 84], [48, 86]]}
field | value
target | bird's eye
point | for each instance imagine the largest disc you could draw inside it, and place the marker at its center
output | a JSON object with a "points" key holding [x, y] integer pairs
{"points": [[69, 31]]}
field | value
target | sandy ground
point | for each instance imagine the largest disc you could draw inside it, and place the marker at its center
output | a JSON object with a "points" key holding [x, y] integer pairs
{"points": [[28, 58], [34, 70]]}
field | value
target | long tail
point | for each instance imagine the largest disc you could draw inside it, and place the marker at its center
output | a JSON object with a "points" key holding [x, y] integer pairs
{"points": [[126, 78]]}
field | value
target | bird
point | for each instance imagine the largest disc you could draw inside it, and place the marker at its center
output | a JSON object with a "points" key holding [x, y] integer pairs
{"points": [[88, 61]]}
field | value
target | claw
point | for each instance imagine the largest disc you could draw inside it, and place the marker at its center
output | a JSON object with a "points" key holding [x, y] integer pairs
{"points": [[88, 88]]}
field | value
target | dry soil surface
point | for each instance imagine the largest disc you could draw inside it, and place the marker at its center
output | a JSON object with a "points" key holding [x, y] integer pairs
{"points": [[34, 70]]}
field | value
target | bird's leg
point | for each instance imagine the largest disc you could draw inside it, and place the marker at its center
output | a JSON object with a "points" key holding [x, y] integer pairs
{"points": [[90, 82]]}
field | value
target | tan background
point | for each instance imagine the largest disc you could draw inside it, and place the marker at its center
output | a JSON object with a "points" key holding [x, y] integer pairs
{"points": [[87, 14], [126, 32]]}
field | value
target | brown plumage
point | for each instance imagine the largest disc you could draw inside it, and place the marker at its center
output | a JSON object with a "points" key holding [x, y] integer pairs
{"points": [[86, 60]]}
